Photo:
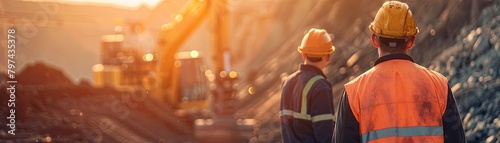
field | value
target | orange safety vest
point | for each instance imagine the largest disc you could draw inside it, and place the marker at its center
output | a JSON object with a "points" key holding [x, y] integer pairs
{"points": [[399, 101]]}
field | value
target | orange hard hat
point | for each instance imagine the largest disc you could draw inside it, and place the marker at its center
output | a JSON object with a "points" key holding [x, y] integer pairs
{"points": [[394, 20], [316, 43]]}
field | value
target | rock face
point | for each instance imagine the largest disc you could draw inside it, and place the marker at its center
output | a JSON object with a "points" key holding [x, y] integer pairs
{"points": [[473, 70]]}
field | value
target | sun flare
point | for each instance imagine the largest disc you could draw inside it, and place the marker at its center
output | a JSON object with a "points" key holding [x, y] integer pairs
{"points": [[123, 3]]}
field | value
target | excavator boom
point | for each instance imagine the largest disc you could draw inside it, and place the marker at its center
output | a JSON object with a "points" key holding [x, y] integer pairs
{"points": [[175, 33]]}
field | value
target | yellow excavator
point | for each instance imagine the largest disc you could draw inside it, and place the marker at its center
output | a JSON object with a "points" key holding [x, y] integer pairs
{"points": [[176, 78], [175, 33]]}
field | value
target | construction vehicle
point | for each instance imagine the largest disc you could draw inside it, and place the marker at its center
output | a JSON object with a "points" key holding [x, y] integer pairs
{"points": [[175, 33], [179, 79]]}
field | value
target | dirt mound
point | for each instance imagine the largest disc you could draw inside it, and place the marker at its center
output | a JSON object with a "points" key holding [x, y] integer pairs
{"points": [[50, 107], [42, 74]]}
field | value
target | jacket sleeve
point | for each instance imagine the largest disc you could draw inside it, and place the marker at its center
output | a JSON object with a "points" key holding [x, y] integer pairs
{"points": [[452, 124], [322, 113], [346, 127]]}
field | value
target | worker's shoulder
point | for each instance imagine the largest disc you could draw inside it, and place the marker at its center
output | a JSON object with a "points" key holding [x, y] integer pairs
{"points": [[288, 82], [323, 82], [291, 76], [362, 76], [321, 86], [319, 81], [432, 73]]}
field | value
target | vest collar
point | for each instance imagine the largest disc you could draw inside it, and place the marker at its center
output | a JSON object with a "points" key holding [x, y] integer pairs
{"points": [[400, 56], [311, 68]]}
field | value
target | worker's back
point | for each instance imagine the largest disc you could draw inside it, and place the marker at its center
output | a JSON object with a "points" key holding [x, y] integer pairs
{"points": [[398, 98], [306, 107]]}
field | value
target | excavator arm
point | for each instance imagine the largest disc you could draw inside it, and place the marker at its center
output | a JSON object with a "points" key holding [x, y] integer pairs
{"points": [[220, 36], [175, 33]]}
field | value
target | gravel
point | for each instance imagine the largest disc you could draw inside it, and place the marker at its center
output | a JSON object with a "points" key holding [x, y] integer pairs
{"points": [[473, 70]]}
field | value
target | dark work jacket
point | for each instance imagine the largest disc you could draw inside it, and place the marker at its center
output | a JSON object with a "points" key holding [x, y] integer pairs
{"points": [[311, 120]]}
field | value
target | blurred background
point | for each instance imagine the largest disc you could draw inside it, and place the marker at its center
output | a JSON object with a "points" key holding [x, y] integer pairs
{"points": [[211, 70]]}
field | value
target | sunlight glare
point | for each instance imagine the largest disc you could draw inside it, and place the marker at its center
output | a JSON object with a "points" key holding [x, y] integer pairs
{"points": [[123, 3]]}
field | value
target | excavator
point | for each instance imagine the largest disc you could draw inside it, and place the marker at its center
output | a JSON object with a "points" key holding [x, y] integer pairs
{"points": [[175, 33], [179, 79]]}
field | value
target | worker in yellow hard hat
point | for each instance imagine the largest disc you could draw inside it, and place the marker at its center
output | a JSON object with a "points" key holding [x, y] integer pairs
{"points": [[397, 100], [306, 110]]}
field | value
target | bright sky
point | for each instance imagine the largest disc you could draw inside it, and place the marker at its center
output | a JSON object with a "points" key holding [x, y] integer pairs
{"points": [[125, 3]]}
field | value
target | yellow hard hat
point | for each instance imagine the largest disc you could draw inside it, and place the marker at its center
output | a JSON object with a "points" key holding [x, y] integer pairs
{"points": [[316, 43], [394, 20]]}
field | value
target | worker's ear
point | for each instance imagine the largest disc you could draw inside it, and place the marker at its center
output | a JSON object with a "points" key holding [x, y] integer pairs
{"points": [[375, 41], [410, 43], [303, 56], [327, 57]]}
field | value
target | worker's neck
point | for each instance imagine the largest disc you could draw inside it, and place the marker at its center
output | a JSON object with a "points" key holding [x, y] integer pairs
{"points": [[318, 64], [381, 53]]}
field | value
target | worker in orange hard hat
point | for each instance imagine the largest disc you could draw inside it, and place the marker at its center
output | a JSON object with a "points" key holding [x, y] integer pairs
{"points": [[306, 110], [397, 100]]}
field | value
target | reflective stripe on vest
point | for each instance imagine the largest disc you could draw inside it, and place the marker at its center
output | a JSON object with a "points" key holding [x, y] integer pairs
{"points": [[303, 110], [316, 118], [402, 132]]}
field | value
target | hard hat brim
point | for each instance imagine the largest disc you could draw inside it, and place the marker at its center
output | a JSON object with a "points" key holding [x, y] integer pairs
{"points": [[316, 53]]}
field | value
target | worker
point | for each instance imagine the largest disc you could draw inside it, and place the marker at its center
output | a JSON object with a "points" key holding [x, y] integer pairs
{"points": [[306, 110], [397, 100]]}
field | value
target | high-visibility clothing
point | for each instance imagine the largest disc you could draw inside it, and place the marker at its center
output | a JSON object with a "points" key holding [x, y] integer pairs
{"points": [[306, 110], [398, 101]]}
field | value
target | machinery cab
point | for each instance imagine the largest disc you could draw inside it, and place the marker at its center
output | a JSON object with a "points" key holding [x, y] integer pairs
{"points": [[130, 68], [192, 89]]}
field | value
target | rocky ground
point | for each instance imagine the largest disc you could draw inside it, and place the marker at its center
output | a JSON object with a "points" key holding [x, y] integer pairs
{"points": [[50, 108], [472, 66]]}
